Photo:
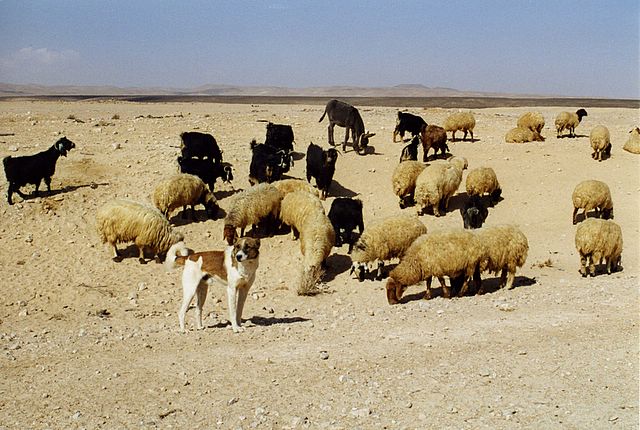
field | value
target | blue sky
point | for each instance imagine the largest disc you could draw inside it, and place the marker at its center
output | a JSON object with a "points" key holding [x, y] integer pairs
{"points": [[560, 47]]}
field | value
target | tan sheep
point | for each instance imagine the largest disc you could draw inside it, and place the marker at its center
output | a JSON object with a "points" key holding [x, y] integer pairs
{"points": [[599, 240], [600, 142], [533, 121], [569, 121], [437, 183], [633, 143], [184, 190], [435, 137], [286, 186], [589, 195], [460, 121], [505, 249], [389, 238], [317, 238], [403, 181], [296, 207], [120, 221], [251, 206], [522, 135], [481, 181], [454, 253]]}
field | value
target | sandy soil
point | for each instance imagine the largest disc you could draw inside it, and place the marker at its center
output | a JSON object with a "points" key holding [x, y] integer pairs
{"points": [[90, 343]]}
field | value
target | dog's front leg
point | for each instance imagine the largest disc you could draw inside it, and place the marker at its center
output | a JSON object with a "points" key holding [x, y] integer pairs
{"points": [[232, 301], [242, 297]]}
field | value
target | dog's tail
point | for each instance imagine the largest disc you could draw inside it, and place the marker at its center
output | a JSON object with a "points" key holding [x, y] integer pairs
{"points": [[178, 248]]}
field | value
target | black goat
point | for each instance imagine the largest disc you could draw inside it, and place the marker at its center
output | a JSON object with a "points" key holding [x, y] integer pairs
{"points": [[410, 151], [321, 165], [206, 170], [474, 213], [202, 145], [345, 215], [32, 169], [408, 122], [347, 116], [280, 136], [267, 163]]}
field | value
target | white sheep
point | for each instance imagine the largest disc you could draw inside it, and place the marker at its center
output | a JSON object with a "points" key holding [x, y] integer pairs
{"points": [[119, 221], [481, 181], [460, 121], [296, 207], [505, 249], [599, 240], [633, 143], [454, 253], [379, 242], [286, 186], [534, 121], [437, 183], [403, 180], [569, 121], [184, 190], [317, 238], [523, 135], [600, 142], [589, 195], [249, 207]]}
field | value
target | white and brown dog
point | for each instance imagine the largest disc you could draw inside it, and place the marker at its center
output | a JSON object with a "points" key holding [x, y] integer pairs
{"points": [[235, 268]]}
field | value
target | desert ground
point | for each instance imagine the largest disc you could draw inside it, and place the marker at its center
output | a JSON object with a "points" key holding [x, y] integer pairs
{"points": [[90, 343]]}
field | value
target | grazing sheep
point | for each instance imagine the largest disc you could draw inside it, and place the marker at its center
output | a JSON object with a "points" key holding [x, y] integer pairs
{"points": [[481, 181], [403, 181], [317, 238], [589, 195], [384, 240], [121, 221], [206, 169], [600, 142], [453, 253], [408, 122], [296, 207], [534, 121], [633, 143], [460, 121], [505, 249], [569, 121], [437, 183], [345, 215], [474, 213], [435, 137], [184, 190], [410, 151], [286, 186], [268, 163], [201, 145], [280, 136], [321, 164], [345, 115], [32, 169], [523, 135], [251, 206], [599, 240]]}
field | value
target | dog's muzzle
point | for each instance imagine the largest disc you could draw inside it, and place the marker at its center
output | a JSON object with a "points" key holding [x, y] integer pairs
{"points": [[241, 256]]}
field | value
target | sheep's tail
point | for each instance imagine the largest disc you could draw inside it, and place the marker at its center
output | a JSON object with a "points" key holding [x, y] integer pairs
{"points": [[178, 248], [309, 281]]}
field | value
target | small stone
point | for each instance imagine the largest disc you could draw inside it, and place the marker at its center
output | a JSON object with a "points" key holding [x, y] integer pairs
{"points": [[142, 286], [324, 355], [232, 401], [23, 313], [77, 415], [115, 146]]}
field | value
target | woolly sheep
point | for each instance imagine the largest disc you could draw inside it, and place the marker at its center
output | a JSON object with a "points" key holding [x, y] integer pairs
{"points": [[454, 253], [317, 238], [184, 190], [387, 239], [286, 186], [589, 195], [437, 183], [434, 137], [633, 143], [296, 207], [505, 249], [121, 221], [483, 180], [600, 142], [599, 240], [460, 121], [251, 206], [403, 181], [522, 135], [533, 121], [569, 121]]}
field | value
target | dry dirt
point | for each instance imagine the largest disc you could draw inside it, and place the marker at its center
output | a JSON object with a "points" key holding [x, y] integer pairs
{"points": [[90, 343]]}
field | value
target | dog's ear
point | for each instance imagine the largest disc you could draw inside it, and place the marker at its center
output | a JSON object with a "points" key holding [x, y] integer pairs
{"points": [[257, 243]]}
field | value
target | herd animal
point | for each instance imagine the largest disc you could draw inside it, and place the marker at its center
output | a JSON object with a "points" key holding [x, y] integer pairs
{"points": [[274, 201]]}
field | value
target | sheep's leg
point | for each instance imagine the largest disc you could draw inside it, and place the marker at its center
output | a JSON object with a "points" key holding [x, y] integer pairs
{"points": [[453, 136], [141, 255], [116, 255], [465, 135], [379, 270], [503, 277], [575, 214], [471, 133], [465, 287], [201, 297], [510, 278], [583, 265], [36, 191], [47, 181], [446, 291], [427, 294], [10, 191]]}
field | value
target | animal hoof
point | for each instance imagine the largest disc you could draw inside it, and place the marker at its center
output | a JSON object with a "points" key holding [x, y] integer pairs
{"points": [[142, 261], [117, 259], [238, 329]]}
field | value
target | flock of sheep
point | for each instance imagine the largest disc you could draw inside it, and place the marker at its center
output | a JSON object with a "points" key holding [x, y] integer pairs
{"points": [[461, 254]]}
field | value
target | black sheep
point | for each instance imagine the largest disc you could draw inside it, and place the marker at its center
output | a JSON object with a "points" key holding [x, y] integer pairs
{"points": [[280, 136], [321, 165], [32, 169], [410, 151], [206, 170], [408, 122], [267, 163], [201, 145], [474, 213], [345, 215]]}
